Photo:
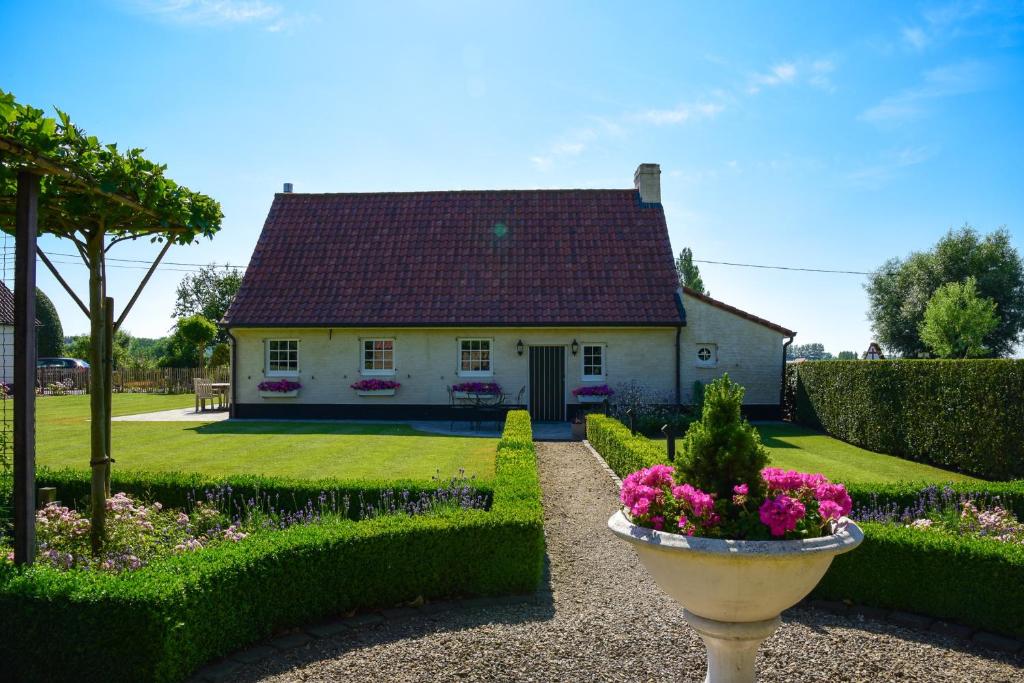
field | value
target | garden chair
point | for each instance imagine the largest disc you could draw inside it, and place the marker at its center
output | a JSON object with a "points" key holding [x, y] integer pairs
{"points": [[459, 407], [205, 392], [492, 409]]}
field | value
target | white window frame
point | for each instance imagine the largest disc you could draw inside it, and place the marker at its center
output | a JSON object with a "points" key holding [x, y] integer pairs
{"points": [[710, 362], [281, 373], [584, 377], [362, 357], [474, 373]]}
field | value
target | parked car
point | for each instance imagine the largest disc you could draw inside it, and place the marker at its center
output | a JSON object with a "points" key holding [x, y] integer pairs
{"points": [[61, 375], [62, 363]]}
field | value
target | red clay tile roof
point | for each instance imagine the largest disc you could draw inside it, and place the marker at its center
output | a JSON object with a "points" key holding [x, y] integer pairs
{"points": [[6, 305], [735, 311], [503, 258]]}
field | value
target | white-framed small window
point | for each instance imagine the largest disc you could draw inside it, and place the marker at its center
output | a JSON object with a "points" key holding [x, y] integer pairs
{"points": [[707, 355], [282, 356], [378, 357], [475, 358], [593, 359]]}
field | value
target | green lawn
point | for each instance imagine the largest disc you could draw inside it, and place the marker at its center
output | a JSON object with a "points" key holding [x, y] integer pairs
{"points": [[796, 448], [301, 450]]}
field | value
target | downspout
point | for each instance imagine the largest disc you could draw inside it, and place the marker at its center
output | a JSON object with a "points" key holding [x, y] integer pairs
{"points": [[782, 384], [679, 335], [234, 369]]}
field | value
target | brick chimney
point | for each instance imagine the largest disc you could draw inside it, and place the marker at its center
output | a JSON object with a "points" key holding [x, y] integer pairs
{"points": [[647, 180]]}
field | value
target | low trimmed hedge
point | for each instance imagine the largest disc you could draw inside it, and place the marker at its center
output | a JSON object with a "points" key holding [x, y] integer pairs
{"points": [[979, 582], [966, 415], [975, 581], [173, 488], [623, 451], [163, 621]]}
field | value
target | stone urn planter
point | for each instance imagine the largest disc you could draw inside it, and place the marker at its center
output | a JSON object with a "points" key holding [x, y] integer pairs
{"points": [[733, 592]]}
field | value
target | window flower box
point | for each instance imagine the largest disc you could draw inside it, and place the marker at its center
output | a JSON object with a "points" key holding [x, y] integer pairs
{"points": [[595, 394], [375, 387], [283, 388], [476, 389]]}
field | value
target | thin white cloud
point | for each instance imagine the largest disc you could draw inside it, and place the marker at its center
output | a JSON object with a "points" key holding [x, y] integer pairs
{"points": [[780, 74], [269, 16], [915, 37], [946, 81], [877, 174], [681, 114], [820, 74]]}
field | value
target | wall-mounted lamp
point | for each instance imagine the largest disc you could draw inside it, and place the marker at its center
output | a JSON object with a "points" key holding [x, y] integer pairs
{"points": [[575, 347], [519, 347]]}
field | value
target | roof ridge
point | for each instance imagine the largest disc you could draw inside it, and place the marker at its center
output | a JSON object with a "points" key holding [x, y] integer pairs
{"points": [[405, 192]]}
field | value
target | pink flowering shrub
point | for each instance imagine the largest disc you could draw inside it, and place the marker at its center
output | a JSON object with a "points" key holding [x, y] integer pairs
{"points": [[374, 384], [280, 386], [793, 505], [478, 387], [598, 390]]}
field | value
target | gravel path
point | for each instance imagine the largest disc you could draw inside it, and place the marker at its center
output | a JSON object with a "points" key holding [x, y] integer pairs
{"points": [[604, 620]]}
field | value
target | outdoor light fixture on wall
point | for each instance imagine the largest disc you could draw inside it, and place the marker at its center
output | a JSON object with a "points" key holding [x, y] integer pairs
{"points": [[575, 347], [519, 347]]}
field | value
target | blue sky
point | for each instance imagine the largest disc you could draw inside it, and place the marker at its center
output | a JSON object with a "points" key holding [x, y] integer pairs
{"points": [[812, 135]]}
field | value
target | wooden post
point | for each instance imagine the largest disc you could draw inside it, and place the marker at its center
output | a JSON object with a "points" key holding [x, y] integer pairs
{"points": [[108, 375], [670, 441], [629, 414], [26, 229]]}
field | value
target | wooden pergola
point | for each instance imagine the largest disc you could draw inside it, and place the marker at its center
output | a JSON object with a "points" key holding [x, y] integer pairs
{"points": [[57, 209]]}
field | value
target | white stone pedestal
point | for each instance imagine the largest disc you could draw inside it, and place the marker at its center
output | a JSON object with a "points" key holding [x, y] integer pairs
{"points": [[731, 646]]}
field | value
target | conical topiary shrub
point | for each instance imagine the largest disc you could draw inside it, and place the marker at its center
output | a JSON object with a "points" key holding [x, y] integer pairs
{"points": [[723, 450]]}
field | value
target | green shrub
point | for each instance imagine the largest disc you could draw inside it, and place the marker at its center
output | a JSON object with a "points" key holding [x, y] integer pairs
{"points": [[723, 449], [965, 415], [517, 433], [979, 582], [161, 622], [623, 452]]}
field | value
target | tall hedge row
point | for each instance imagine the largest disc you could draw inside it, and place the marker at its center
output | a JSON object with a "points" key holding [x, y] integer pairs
{"points": [[965, 415], [161, 622]]}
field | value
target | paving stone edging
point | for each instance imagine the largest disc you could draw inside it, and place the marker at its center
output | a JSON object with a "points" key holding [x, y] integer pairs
{"points": [[918, 622]]}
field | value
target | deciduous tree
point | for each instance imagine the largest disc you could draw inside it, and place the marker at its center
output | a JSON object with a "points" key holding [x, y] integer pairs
{"points": [[689, 273], [957, 321], [900, 290]]}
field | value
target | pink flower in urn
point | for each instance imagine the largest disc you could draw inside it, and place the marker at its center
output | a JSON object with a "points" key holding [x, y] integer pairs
{"points": [[781, 514]]}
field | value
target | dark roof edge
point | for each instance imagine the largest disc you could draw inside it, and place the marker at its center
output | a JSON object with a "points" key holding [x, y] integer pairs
{"points": [[667, 323], [735, 311]]}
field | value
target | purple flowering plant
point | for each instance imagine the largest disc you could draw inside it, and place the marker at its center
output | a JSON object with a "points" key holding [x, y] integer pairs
{"points": [[374, 384], [281, 386], [478, 387], [139, 533], [598, 390], [946, 511], [721, 487]]}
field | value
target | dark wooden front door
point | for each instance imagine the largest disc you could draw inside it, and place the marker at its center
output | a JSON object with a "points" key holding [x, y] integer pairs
{"points": [[547, 383]]}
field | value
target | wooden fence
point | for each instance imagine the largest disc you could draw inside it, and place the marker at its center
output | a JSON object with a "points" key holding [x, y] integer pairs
{"points": [[58, 381]]}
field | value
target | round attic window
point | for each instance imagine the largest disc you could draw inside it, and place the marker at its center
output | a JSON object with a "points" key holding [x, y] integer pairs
{"points": [[704, 353]]}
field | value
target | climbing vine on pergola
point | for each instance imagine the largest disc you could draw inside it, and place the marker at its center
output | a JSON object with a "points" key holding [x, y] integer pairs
{"points": [[96, 196]]}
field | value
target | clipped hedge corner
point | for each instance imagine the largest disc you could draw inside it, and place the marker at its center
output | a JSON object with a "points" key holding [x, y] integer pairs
{"points": [[163, 621]]}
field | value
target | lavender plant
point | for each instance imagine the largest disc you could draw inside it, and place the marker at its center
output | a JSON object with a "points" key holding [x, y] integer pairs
{"points": [[945, 510]]}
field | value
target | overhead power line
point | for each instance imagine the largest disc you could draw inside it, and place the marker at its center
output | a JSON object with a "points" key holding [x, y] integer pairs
{"points": [[807, 270], [149, 261]]}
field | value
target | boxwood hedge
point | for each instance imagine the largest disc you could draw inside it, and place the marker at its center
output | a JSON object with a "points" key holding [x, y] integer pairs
{"points": [[164, 620], [966, 415], [976, 581]]}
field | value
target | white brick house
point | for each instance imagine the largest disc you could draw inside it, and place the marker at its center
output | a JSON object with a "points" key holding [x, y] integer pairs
{"points": [[540, 291]]}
